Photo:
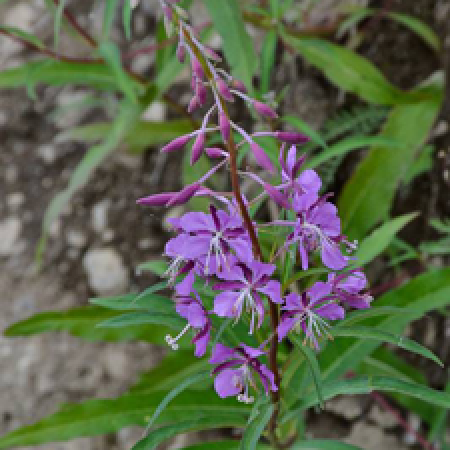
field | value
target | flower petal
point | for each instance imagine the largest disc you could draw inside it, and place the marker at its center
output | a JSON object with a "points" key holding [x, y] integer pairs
{"points": [[273, 290], [221, 353], [228, 383]]}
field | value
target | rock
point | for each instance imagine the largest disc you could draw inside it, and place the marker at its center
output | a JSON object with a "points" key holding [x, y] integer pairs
{"points": [[99, 215], [15, 200], [371, 437], [116, 362], [10, 229], [348, 407], [384, 419], [106, 272], [156, 112], [69, 113], [47, 153], [75, 238], [11, 174]]}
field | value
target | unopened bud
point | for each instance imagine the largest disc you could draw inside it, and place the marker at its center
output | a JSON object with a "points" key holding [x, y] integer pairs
{"points": [[239, 86], [291, 137], [184, 195], [215, 152], [211, 54], [181, 52], [264, 110], [157, 199], [197, 148], [261, 157], [193, 104], [176, 144], [224, 125], [224, 91], [197, 68]]}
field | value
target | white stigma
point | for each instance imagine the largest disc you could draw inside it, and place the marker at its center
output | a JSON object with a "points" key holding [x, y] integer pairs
{"points": [[173, 341]]}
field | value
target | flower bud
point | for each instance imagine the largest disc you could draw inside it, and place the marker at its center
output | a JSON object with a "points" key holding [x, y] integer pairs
{"points": [[277, 196], [211, 54], [239, 86], [201, 92], [291, 137], [197, 68], [181, 52], [261, 158], [224, 91], [215, 152], [157, 199], [197, 148], [193, 104], [224, 125], [264, 110], [176, 144], [184, 195]]}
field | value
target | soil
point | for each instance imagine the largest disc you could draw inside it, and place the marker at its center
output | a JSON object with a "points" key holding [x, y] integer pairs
{"points": [[39, 373]]}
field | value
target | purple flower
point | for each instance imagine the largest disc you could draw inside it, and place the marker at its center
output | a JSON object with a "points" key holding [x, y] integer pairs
{"points": [[216, 235], [308, 182], [308, 311], [192, 310], [235, 370], [317, 227], [242, 289], [348, 287], [177, 249]]}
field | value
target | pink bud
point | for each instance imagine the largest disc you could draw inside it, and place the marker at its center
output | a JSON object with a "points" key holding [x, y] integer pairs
{"points": [[193, 104], [291, 137], [215, 152], [184, 195], [264, 110], [157, 199], [197, 148], [239, 86], [211, 54], [167, 12], [181, 52], [201, 92], [224, 91], [224, 125], [261, 158], [277, 196], [176, 144], [197, 68]]}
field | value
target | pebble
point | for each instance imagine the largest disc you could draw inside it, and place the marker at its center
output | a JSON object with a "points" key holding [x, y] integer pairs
{"points": [[75, 238], [47, 153], [156, 112], [348, 407], [384, 419], [99, 215], [15, 200], [10, 229], [371, 437], [106, 272]]}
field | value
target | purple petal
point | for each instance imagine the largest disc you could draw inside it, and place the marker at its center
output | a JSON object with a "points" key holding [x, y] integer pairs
{"points": [[331, 255], [293, 302], [196, 315], [304, 201], [285, 326], [273, 290], [270, 376], [331, 311], [291, 159], [261, 270], [242, 248], [310, 181], [291, 137], [193, 104], [353, 283], [197, 68], [192, 222], [229, 285], [303, 254], [318, 290], [277, 196], [221, 353], [201, 342], [184, 288], [261, 158], [252, 352], [228, 383], [176, 246], [225, 304], [259, 306]]}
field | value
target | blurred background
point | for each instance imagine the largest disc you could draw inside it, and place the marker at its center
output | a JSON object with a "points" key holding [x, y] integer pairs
{"points": [[95, 235]]}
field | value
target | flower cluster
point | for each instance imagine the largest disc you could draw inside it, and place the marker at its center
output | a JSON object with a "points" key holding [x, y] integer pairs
{"points": [[218, 248]]}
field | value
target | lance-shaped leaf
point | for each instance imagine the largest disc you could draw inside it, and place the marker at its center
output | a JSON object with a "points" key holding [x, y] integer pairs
{"points": [[367, 196], [323, 444], [256, 427]]}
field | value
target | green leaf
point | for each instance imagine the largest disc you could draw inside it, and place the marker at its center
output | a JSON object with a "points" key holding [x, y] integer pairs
{"points": [[215, 445], [202, 423], [303, 127], [23, 35], [126, 18], [187, 382], [82, 322], [237, 44], [441, 226], [96, 417], [347, 145], [379, 335], [323, 444], [367, 196], [367, 384], [111, 54], [419, 27], [377, 242], [422, 164], [254, 430], [60, 73], [91, 160], [267, 60], [143, 318], [348, 70], [57, 21], [108, 18], [313, 365]]}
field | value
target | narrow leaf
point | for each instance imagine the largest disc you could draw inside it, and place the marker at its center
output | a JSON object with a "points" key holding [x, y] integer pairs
{"points": [[108, 18], [254, 430], [143, 318], [323, 444], [126, 18]]}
